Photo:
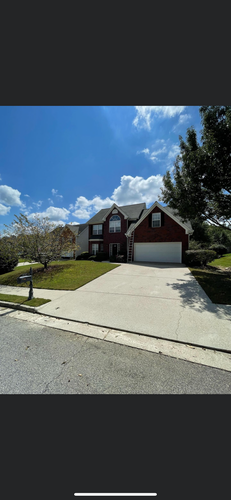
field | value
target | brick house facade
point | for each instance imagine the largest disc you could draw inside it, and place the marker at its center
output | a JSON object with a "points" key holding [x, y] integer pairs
{"points": [[107, 237], [169, 231], [143, 234], [172, 230]]}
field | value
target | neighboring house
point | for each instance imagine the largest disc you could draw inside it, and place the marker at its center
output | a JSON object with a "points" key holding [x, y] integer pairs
{"points": [[156, 234], [78, 233]]}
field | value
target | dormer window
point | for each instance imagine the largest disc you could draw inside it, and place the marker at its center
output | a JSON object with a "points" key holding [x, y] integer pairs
{"points": [[156, 219], [115, 224]]}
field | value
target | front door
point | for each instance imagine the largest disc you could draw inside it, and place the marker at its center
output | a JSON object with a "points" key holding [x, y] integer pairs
{"points": [[114, 249]]}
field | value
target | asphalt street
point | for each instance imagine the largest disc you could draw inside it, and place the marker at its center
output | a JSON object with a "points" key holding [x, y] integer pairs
{"points": [[37, 359]]}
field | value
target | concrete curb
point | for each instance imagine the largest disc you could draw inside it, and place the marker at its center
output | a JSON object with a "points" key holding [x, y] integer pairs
{"points": [[106, 328], [184, 352], [13, 305]]}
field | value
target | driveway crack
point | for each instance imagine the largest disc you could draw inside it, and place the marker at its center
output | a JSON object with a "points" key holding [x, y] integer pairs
{"points": [[178, 324]]}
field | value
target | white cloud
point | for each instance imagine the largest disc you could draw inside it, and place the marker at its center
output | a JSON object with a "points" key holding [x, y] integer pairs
{"points": [[10, 196], [137, 190], [38, 205], [82, 213], [182, 120], [131, 190], [50, 201], [55, 214], [54, 193], [27, 195], [174, 151], [145, 151], [144, 114], [4, 210], [153, 155]]}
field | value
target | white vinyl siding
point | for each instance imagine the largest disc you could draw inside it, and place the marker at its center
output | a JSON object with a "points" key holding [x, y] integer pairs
{"points": [[158, 252]]}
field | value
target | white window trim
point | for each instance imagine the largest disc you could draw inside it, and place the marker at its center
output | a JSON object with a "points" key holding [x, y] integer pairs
{"points": [[112, 229], [156, 219], [94, 251], [99, 229]]}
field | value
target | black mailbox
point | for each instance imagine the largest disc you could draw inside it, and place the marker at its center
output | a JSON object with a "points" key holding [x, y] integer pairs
{"points": [[23, 279]]}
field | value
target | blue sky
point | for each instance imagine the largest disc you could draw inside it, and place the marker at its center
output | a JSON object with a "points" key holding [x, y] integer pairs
{"points": [[69, 162]]}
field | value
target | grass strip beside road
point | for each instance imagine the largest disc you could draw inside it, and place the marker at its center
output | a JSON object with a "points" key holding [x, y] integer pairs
{"points": [[60, 275], [18, 299]]}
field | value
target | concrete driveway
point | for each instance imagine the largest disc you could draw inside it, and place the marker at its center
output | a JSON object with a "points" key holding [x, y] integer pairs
{"points": [[160, 300]]}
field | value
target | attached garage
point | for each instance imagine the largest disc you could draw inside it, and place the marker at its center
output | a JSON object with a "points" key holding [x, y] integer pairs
{"points": [[158, 252]]}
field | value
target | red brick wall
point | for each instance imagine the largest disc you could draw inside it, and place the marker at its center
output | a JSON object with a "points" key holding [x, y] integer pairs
{"points": [[169, 231], [114, 237]]}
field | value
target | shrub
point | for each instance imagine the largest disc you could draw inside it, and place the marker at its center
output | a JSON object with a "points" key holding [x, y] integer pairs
{"points": [[199, 257], [195, 245], [112, 258], [83, 256], [92, 257], [101, 256], [218, 248], [8, 255]]}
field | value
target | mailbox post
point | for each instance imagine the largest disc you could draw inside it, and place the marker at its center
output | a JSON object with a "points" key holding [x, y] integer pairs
{"points": [[23, 279]]}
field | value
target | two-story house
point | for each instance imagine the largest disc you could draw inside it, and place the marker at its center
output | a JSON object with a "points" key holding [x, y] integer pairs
{"points": [[156, 234], [107, 229]]}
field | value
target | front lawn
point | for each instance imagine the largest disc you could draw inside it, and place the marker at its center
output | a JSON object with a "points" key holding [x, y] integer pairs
{"points": [[60, 275], [217, 285], [18, 299], [224, 261]]}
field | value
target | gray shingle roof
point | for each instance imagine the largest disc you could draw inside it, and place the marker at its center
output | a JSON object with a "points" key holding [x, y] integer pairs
{"points": [[132, 211], [175, 213], [77, 228]]}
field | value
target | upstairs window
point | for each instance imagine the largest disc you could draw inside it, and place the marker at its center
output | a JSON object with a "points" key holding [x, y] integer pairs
{"points": [[97, 229], [115, 224], [156, 219]]}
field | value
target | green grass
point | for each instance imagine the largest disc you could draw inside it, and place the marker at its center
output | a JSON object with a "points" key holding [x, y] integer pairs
{"points": [[216, 285], [18, 299], [61, 275], [224, 261], [22, 260]]}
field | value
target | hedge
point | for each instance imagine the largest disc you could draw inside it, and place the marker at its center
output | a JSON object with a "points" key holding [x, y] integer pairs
{"points": [[199, 257], [218, 248]]}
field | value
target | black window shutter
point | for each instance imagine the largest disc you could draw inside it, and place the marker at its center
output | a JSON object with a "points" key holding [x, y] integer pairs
{"points": [[150, 220], [162, 218]]}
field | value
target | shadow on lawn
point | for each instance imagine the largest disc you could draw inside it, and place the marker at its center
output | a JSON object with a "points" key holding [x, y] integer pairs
{"points": [[194, 297]]}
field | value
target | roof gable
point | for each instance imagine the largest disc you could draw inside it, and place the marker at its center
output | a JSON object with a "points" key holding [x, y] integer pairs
{"points": [[112, 208], [131, 212], [170, 212]]}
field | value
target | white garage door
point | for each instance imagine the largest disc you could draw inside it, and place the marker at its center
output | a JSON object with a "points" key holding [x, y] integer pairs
{"points": [[157, 252]]}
